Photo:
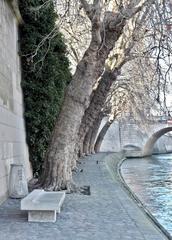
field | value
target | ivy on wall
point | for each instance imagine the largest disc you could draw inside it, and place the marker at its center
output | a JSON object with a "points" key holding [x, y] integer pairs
{"points": [[45, 74]]}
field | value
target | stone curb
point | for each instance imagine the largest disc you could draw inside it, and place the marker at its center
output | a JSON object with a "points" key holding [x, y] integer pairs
{"points": [[138, 201]]}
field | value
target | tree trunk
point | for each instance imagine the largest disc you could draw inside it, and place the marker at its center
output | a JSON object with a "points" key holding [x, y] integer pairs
{"points": [[93, 111], [57, 169], [95, 130], [88, 144], [58, 165], [101, 136]]}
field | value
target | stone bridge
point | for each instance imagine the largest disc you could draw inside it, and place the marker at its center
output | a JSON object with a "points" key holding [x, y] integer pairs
{"points": [[128, 136], [149, 145]]}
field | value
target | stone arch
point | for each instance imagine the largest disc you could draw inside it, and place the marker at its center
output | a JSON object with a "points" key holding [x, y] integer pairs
{"points": [[148, 147]]}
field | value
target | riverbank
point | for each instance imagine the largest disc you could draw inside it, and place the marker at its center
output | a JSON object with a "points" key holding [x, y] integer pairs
{"points": [[108, 213], [148, 180]]}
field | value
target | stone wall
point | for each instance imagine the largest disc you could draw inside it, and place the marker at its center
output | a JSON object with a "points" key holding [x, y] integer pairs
{"points": [[13, 148]]}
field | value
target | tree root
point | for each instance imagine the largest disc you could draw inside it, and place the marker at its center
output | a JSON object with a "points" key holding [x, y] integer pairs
{"points": [[70, 187], [34, 184]]}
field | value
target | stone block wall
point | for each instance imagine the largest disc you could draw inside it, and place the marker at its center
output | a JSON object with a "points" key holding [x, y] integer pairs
{"points": [[13, 148]]}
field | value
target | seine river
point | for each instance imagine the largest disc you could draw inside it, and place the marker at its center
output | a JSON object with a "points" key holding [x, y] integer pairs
{"points": [[151, 180]]}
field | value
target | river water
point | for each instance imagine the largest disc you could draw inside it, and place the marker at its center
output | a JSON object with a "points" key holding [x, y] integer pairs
{"points": [[151, 180]]}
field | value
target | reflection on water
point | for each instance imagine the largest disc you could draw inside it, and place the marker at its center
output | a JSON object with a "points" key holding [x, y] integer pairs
{"points": [[151, 180]]}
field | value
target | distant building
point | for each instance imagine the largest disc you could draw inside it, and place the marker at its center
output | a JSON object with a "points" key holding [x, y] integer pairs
{"points": [[13, 148]]}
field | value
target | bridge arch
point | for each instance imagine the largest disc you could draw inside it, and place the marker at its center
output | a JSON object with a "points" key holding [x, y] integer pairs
{"points": [[148, 147]]}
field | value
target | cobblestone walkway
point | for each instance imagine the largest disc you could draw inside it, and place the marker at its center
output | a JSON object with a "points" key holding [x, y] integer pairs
{"points": [[107, 214]]}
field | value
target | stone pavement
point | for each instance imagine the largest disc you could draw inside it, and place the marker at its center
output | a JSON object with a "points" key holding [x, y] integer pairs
{"points": [[108, 213]]}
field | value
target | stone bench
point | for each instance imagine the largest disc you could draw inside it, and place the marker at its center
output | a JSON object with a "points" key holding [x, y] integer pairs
{"points": [[42, 206]]}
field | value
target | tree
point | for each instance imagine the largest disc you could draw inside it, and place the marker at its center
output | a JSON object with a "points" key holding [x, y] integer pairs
{"points": [[146, 41], [45, 75], [93, 114], [106, 28], [117, 103], [133, 93]]}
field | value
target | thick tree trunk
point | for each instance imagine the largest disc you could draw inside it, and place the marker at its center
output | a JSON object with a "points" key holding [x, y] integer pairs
{"points": [[57, 169], [101, 136]]}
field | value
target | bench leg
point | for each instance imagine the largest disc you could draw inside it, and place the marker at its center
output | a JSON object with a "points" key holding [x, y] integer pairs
{"points": [[42, 216]]}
